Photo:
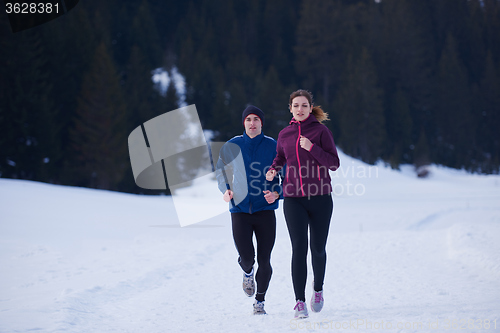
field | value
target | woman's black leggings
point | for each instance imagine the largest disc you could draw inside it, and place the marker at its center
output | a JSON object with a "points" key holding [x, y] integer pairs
{"points": [[263, 224], [314, 212]]}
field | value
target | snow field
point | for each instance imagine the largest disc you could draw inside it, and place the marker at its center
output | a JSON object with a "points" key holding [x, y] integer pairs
{"points": [[408, 255]]}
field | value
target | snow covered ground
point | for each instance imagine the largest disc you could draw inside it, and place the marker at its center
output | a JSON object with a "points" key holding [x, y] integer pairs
{"points": [[404, 255]]}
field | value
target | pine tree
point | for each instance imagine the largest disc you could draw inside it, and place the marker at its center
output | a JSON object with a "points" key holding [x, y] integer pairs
{"points": [[492, 26], [474, 49], [487, 110], [278, 37], [198, 63], [99, 134], [453, 117], [319, 53], [404, 56], [27, 116], [360, 109], [167, 16], [143, 100], [69, 46], [272, 98], [144, 35], [399, 127]]}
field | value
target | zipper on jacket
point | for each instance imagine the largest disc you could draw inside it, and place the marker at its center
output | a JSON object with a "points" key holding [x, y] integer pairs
{"points": [[250, 197], [298, 160]]}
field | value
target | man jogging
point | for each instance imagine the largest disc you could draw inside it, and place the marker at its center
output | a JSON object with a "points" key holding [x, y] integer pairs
{"points": [[257, 199]]}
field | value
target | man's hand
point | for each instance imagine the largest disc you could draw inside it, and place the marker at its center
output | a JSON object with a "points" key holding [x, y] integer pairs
{"points": [[271, 196], [228, 195]]}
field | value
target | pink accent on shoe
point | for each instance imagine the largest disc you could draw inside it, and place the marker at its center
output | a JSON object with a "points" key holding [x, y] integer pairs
{"points": [[301, 310], [299, 306], [318, 296]]}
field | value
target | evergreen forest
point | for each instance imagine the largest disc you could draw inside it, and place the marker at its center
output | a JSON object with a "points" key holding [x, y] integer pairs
{"points": [[404, 81]]}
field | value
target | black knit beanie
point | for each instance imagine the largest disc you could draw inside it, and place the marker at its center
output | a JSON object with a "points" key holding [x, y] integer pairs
{"points": [[252, 110]]}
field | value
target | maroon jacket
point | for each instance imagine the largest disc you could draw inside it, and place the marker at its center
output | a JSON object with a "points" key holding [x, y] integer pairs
{"points": [[307, 171]]}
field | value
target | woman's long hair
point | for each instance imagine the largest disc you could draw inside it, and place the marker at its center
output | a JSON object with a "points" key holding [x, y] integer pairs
{"points": [[317, 111]]}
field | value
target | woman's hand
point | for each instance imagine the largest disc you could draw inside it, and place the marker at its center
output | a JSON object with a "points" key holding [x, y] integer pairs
{"points": [[271, 196], [228, 195], [271, 174], [305, 143]]}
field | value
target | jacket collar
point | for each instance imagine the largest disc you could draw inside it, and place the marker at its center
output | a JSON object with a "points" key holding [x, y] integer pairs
{"points": [[255, 140], [308, 120]]}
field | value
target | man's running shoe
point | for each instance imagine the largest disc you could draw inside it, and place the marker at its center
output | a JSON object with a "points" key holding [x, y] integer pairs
{"points": [[248, 284], [258, 308]]}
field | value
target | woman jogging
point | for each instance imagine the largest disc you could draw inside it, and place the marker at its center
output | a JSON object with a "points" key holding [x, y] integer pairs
{"points": [[307, 148], [252, 200]]}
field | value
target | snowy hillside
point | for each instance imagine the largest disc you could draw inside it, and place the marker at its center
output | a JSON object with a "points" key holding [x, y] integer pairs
{"points": [[404, 255]]}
